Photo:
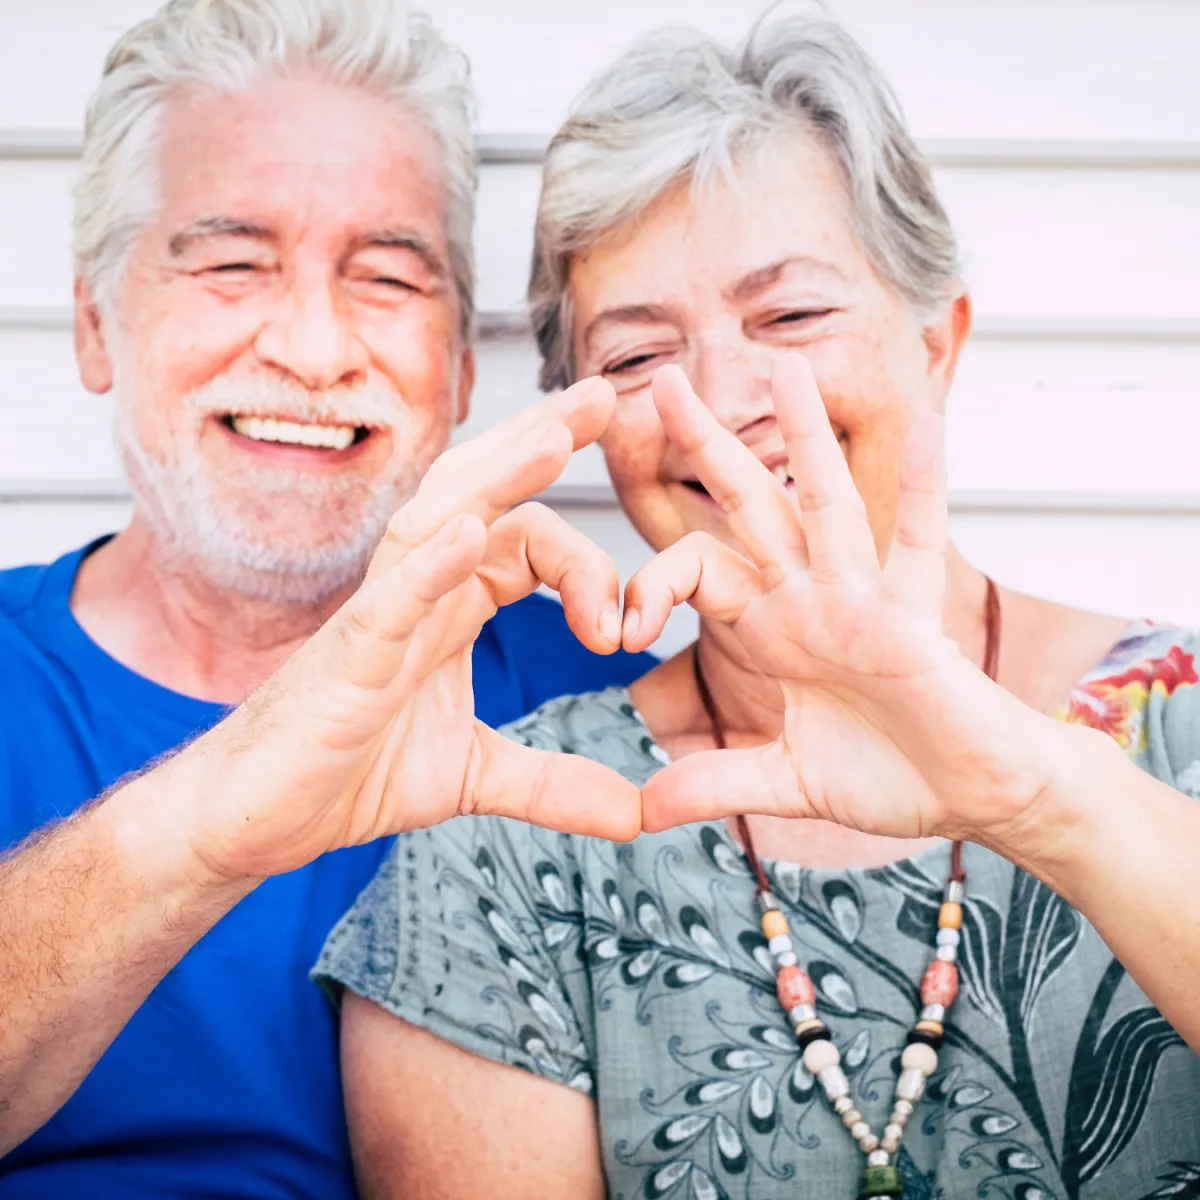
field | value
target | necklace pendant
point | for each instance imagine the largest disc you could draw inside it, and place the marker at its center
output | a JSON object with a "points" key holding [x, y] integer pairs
{"points": [[881, 1181]]}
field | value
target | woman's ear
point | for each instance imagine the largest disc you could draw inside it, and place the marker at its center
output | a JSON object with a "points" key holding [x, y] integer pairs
{"points": [[944, 340], [91, 352]]}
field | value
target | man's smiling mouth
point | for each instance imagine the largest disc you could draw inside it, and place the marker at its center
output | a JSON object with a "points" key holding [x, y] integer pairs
{"points": [[296, 433]]}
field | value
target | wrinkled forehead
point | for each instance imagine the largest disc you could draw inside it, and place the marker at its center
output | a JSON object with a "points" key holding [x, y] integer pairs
{"points": [[780, 211], [311, 158]]}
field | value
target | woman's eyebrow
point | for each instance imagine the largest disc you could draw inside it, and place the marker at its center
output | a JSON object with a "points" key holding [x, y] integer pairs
{"points": [[762, 277], [626, 314]]}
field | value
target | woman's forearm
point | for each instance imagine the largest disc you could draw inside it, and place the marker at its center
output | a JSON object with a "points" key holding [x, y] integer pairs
{"points": [[1121, 847]]}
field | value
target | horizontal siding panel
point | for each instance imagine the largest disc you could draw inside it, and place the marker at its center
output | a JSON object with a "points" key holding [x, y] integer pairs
{"points": [[1044, 243], [1121, 419], [1093, 69]]}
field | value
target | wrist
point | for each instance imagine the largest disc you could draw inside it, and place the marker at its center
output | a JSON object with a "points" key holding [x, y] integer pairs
{"points": [[1059, 827], [152, 821]]}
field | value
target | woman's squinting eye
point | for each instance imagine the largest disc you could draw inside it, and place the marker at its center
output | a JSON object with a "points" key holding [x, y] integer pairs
{"points": [[231, 268], [797, 316], [624, 365]]}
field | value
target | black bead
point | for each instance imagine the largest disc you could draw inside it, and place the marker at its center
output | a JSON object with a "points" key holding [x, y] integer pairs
{"points": [[809, 1036], [924, 1035]]}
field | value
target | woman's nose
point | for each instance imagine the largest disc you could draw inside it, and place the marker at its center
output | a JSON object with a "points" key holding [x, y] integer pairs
{"points": [[733, 378]]}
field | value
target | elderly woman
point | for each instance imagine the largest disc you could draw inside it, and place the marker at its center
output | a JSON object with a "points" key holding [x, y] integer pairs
{"points": [[831, 998]]}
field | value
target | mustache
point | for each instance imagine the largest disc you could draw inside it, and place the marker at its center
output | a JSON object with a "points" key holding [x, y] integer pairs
{"points": [[373, 403]]}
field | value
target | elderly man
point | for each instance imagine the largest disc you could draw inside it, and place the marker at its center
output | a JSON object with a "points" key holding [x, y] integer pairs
{"points": [[274, 278]]}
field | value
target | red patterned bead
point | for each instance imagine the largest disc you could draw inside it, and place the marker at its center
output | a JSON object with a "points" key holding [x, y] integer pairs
{"points": [[940, 983], [794, 987]]}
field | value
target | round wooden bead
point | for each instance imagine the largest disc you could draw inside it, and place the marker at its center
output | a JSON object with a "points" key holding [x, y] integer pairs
{"points": [[939, 985], [950, 916], [819, 1055], [892, 1136], [774, 924], [919, 1057], [843, 1104], [794, 987], [902, 1108], [851, 1117], [868, 1144], [859, 1130]]}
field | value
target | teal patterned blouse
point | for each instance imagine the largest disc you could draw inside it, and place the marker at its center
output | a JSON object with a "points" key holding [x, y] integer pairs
{"points": [[638, 975]]}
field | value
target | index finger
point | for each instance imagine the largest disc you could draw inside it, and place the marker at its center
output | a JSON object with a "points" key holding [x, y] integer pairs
{"points": [[500, 467], [756, 505]]}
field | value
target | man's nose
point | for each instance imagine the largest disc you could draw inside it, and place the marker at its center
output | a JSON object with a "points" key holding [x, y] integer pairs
{"points": [[733, 378], [311, 335]]}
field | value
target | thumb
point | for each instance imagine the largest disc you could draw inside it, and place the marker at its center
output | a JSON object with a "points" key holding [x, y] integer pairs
{"points": [[566, 792], [714, 784]]}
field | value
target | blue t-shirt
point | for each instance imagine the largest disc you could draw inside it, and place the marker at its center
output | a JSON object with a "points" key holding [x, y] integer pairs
{"points": [[225, 1082]]}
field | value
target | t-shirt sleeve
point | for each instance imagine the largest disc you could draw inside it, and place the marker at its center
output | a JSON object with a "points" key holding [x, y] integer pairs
{"points": [[468, 930]]}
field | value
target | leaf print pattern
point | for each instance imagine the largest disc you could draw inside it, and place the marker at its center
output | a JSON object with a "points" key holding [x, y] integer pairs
{"points": [[638, 974]]}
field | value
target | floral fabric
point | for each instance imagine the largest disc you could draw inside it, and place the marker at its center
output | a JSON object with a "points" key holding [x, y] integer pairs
{"points": [[638, 975]]}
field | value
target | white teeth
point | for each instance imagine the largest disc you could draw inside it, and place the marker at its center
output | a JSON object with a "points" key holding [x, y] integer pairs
{"points": [[292, 433], [782, 474]]}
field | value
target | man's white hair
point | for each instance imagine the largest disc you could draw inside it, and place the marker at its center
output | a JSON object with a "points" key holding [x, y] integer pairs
{"points": [[224, 45], [679, 105]]}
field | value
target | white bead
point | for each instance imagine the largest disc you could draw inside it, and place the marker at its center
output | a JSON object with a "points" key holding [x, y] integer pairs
{"points": [[889, 1144], [802, 1012], [911, 1085], [786, 959], [878, 1158], [834, 1081], [920, 1057], [868, 1144], [842, 1104], [948, 937], [851, 1117], [956, 891], [903, 1108], [899, 1118], [781, 943], [821, 1054], [947, 953], [860, 1130], [892, 1132], [933, 1012]]}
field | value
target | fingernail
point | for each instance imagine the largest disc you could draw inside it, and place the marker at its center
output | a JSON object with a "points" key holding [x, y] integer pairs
{"points": [[632, 621], [610, 624]]}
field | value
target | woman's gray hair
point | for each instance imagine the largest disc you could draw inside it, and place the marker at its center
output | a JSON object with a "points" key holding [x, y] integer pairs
{"points": [[224, 45], [678, 106]]}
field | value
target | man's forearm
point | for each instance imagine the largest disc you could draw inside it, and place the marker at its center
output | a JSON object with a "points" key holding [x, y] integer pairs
{"points": [[1120, 847], [93, 913]]}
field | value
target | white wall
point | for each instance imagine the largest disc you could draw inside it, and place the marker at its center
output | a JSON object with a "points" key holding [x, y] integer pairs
{"points": [[1066, 139]]}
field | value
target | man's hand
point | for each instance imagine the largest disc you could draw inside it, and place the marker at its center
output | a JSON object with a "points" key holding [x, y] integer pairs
{"points": [[369, 728], [887, 727]]}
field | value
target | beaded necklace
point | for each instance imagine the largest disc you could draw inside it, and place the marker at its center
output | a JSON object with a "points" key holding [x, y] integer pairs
{"points": [[939, 985]]}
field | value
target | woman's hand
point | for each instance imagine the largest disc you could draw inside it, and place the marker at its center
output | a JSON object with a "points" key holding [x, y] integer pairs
{"points": [[369, 728], [887, 727]]}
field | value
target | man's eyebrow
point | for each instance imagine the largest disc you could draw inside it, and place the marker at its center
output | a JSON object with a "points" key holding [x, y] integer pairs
{"points": [[626, 314], [404, 239], [205, 227], [753, 283]]}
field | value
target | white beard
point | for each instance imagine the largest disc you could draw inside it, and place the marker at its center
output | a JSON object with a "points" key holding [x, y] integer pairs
{"points": [[197, 515]]}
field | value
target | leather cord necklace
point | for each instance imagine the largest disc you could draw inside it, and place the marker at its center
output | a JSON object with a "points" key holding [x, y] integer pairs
{"points": [[939, 986]]}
